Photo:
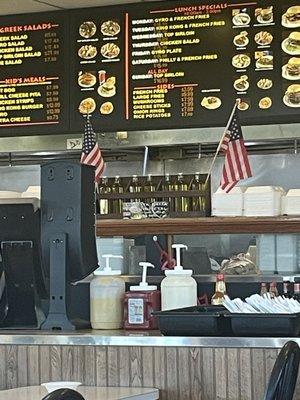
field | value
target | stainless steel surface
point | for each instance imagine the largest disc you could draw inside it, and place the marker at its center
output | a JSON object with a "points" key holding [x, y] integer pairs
{"points": [[132, 338], [149, 138], [212, 278]]}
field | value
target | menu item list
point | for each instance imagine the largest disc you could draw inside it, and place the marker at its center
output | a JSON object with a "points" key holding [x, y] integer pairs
{"points": [[175, 66], [33, 83]]}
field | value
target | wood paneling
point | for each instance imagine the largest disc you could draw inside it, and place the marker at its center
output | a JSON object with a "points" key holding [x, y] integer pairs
{"points": [[172, 226], [179, 373]]}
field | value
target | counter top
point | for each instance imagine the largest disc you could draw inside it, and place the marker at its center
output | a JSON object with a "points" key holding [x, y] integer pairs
{"points": [[131, 338]]}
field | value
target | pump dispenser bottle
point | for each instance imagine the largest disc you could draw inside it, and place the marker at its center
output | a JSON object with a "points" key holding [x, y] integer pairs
{"points": [[106, 297], [178, 288], [139, 303]]}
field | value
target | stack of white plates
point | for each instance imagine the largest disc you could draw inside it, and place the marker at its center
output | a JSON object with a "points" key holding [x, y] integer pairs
{"points": [[263, 201], [291, 202], [32, 191], [8, 194], [228, 204]]}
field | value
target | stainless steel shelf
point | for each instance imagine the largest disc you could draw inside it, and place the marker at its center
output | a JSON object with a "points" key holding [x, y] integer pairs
{"points": [[212, 278]]}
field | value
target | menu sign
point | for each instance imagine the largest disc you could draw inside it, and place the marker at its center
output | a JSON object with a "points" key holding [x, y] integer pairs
{"points": [[33, 75], [176, 65]]}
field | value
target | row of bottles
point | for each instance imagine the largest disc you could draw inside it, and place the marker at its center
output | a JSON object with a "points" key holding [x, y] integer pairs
{"points": [[113, 187], [113, 308]]}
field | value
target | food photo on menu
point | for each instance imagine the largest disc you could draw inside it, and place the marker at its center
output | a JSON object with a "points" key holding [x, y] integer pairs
{"points": [[263, 38], [211, 102], [291, 44], [241, 17], [263, 60], [241, 84], [241, 39], [244, 104], [241, 61], [264, 15], [265, 103], [291, 70], [99, 40], [264, 83], [291, 18], [292, 96]]}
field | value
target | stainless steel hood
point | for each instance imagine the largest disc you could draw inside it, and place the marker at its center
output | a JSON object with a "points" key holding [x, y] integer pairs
{"points": [[115, 141]]}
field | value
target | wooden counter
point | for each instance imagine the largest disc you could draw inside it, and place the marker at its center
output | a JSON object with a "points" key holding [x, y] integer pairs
{"points": [[182, 368]]}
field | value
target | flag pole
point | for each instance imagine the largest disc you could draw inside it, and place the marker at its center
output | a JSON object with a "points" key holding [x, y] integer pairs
{"points": [[145, 160], [221, 140]]}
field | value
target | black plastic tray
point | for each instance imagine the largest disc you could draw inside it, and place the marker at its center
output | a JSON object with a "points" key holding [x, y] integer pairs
{"points": [[264, 324], [193, 321]]}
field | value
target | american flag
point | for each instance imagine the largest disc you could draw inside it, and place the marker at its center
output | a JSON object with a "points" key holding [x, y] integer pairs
{"points": [[236, 166], [91, 153]]}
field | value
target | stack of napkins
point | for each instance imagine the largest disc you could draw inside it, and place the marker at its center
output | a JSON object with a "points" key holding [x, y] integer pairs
{"points": [[263, 201], [291, 202], [228, 204], [32, 191]]}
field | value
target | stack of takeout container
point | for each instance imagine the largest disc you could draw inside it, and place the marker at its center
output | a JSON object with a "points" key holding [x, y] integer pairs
{"points": [[228, 204], [291, 202], [263, 201]]}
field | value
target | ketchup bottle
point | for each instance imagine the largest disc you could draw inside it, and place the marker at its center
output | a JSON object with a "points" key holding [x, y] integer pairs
{"points": [[140, 302]]}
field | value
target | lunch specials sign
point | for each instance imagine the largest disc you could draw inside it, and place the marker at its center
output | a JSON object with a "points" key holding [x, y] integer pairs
{"points": [[33, 77], [153, 65]]}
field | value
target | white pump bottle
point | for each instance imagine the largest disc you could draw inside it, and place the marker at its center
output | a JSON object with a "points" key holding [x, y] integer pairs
{"points": [[106, 297], [178, 288]]}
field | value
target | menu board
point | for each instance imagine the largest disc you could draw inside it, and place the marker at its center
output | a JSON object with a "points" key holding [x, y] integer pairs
{"points": [[183, 64], [34, 83]]}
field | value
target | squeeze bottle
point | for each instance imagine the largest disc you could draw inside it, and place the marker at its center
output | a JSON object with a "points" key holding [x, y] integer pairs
{"points": [[178, 288], [139, 303], [106, 297]]}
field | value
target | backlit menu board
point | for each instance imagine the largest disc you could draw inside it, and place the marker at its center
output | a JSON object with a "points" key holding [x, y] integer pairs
{"points": [[34, 82], [182, 64]]}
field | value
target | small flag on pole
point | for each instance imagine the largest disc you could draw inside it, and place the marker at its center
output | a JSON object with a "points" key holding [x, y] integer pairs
{"points": [[236, 166], [91, 153]]}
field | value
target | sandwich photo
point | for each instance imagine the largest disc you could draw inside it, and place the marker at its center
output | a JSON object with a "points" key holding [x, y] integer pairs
{"points": [[292, 96], [108, 88], [291, 18], [264, 62], [264, 15], [291, 45], [291, 70]]}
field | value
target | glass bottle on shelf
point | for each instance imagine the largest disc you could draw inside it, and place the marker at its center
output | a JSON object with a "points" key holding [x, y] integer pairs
{"points": [[167, 187], [181, 203], [149, 187], [263, 289], [135, 187], [287, 289], [104, 189], [296, 294], [273, 290], [220, 290], [197, 202], [117, 204]]}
